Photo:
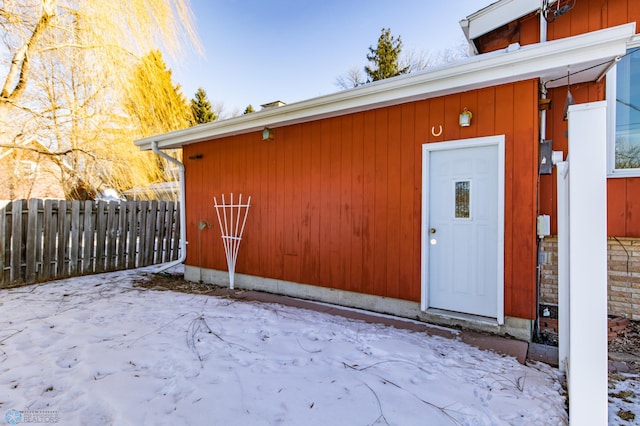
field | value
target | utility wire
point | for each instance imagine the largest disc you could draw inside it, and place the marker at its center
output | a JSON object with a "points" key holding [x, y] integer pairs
{"points": [[590, 68]]}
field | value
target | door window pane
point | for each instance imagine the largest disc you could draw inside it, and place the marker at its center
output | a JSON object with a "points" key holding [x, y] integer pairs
{"points": [[462, 199], [628, 112]]}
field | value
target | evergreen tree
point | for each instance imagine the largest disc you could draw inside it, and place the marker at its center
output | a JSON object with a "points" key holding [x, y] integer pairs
{"points": [[385, 58], [154, 101], [201, 108], [248, 110], [156, 105]]}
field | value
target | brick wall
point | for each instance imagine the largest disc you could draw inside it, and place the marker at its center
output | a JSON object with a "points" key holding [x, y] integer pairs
{"points": [[624, 275]]}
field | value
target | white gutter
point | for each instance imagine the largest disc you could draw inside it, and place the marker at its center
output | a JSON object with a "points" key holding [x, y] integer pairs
{"points": [[548, 61], [183, 216]]}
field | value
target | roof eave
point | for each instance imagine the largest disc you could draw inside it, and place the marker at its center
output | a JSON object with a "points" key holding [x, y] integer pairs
{"points": [[496, 15], [545, 60]]}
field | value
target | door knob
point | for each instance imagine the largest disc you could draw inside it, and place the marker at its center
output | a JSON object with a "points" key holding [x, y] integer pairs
{"points": [[433, 230]]}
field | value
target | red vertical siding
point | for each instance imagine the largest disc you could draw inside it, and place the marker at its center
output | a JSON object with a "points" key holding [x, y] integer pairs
{"points": [[593, 15], [525, 171], [357, 203], [589, 15], [422, 125], [313, 261], [380, 202], [632, 223], [393, 201], [504, 96], [368, 219], [406, 217], [346, 201], [616, 203], [623, 207], [337, 202], [335, 262], [529, 29]]}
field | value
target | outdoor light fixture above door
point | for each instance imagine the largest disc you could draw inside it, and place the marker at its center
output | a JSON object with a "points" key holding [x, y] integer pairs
{"points": [[465, 118], [267, 134]]}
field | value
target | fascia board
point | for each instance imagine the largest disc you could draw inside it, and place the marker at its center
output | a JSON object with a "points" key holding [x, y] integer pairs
{"points": [[547, 60], [496, 15]]}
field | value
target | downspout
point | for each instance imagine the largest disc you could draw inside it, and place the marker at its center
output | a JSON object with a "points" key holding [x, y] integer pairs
{"points": [[183, 219], [543, 39], [543, 137]]}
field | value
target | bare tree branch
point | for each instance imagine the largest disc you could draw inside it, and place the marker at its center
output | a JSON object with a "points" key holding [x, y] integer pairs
{"points": [[21, 61], [46, 152]]}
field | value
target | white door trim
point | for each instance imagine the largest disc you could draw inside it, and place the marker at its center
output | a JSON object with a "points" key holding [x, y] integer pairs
{"points": [[427, 148]]}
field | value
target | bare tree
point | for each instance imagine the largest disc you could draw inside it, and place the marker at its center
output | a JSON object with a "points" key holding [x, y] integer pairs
{"points": [[352, 78], [413, 60], [67, 64]]}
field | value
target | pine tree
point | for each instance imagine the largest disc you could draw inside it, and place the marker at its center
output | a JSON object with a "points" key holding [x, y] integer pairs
{"points": [[201, 108], [384, 58]]}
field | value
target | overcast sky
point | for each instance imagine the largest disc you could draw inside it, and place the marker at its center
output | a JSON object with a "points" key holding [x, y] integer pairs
{"points": [[259, 51]]}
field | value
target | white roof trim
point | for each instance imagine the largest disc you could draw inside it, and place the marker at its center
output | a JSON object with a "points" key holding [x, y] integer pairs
{"points": [[547, 61], [496, 15]]}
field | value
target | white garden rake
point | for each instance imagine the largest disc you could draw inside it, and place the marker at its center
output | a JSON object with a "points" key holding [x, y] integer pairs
{"points": [[231, 229]]}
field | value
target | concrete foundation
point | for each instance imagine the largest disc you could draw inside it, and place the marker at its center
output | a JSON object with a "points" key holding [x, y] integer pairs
{"points": [[518, 328]]}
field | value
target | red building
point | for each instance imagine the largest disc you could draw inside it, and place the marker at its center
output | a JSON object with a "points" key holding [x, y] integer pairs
{"points": [[380, 198]]}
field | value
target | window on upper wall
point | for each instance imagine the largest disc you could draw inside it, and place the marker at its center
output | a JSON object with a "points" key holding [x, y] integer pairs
{"points": [[623, 94]]}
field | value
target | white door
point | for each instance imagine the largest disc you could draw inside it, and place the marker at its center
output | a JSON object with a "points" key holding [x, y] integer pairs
{"points": [[464, 233]]}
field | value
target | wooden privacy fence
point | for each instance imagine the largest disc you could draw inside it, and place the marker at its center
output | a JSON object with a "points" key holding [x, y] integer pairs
{"points": [[48, 239]]}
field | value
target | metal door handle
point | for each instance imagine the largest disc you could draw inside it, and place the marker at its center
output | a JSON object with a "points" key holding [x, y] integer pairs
{"points": [[433, 230]]}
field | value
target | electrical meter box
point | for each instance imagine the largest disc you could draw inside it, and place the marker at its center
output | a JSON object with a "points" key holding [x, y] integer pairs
{"points": [[544, 158]]}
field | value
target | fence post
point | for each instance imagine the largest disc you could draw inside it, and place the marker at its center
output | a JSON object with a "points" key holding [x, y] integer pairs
{"points": [[16, 240], [121, 236], [87, 239], [41, 241], [132, 206], [50, 236], [63, 240], [4, 237], [101, 228], [74, 244], [177, 234], [149, 244], [159, 234], [111, 236], [33, 241]]}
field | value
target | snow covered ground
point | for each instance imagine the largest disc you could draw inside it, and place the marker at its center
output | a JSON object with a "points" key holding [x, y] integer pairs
{"points": [[624, 399], [98, 351]]}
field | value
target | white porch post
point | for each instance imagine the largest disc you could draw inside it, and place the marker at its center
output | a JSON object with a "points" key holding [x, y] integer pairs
{"points": [[562, 168], [587, 366]]}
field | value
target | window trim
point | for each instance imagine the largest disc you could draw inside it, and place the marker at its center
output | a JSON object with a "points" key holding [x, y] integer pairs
{"points": [[611, 83]]}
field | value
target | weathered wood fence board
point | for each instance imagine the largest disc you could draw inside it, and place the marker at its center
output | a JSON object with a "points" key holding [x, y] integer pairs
{"points": [[48, 239]]}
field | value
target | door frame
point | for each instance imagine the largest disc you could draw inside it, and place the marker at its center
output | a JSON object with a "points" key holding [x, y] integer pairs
{"points": [[427, 149]]}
